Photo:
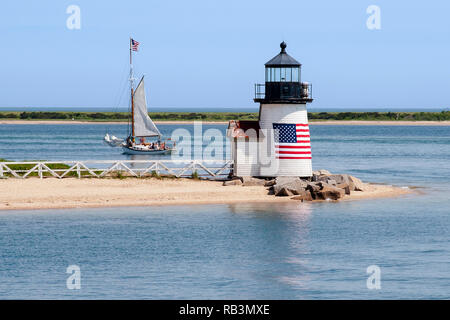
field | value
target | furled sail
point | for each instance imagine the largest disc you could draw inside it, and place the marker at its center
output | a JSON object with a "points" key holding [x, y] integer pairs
{"points": [[143, 125]]}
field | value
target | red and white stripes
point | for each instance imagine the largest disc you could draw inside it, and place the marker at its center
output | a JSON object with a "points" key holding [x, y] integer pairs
{"points": [[299, 150]]}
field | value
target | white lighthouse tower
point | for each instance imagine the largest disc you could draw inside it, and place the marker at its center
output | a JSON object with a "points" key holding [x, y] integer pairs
{"points": [[283, 109], [281, 145]]}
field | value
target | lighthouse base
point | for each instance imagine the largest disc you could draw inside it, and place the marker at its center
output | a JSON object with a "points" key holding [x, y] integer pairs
{"points": [[276, 145]]}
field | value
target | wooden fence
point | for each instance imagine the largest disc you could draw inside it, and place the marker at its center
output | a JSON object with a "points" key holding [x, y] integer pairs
{"points": [[105, 168]]}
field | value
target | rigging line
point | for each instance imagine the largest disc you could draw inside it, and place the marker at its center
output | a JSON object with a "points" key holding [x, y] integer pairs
{"points": [[124, 87], [119, 93]]}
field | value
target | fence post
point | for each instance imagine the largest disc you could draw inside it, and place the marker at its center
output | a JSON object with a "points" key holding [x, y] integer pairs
{"points": [[78, 170], [40, 170], [1, 170]]}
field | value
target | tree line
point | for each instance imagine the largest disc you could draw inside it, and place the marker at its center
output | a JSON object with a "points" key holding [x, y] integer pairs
{"points": [[223, 116]]}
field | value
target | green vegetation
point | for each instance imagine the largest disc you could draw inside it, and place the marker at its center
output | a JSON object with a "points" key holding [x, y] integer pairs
{"points": [[27, 167], [222, 116], [195, 175], [156, 175], [380, 116]]}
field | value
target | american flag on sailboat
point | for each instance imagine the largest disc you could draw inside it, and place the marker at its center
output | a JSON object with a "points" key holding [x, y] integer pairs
{"points": [[134, 45], [292, 141]]}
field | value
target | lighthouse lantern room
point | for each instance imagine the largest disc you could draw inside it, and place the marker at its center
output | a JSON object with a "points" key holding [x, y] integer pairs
{"points": [[282, 112]]}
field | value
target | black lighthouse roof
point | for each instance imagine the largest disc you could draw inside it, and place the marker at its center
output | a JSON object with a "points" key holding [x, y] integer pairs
{"points": [[283, 59]]}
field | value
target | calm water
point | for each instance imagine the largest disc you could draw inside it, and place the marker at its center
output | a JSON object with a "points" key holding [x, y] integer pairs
{"points": [[294, 251]]}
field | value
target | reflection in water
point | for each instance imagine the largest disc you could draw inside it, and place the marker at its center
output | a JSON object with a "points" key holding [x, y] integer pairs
{"points": [[292, 224]]}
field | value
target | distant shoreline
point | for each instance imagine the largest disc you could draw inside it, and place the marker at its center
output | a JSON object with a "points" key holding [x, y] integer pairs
{"points": [[341, 118], [311, 122]]}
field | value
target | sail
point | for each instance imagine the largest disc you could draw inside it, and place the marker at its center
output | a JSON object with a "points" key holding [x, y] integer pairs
{"points": [[143, 125]]}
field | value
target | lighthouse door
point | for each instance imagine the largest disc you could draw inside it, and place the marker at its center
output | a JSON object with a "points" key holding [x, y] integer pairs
{"points": [[285, 91]]}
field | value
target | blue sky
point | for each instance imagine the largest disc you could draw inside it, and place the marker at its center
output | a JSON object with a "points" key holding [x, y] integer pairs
{"points": [[210, 53]]}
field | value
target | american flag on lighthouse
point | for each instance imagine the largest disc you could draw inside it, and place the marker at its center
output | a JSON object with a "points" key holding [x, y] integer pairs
{"points": [[134, 45], [292, 141]]}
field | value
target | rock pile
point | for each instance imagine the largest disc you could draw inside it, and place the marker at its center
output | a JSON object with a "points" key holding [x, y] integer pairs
{"points": [[322, 186]]}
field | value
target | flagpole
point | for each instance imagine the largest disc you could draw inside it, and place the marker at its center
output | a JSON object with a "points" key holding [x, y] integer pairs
{"points": [[132, 93]]}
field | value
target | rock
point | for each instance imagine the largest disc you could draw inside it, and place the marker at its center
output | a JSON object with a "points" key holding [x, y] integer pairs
{"points": [[344, 186], [339, 179], [292, 184], [329, 192], [303, 196], [250, 181], [326, 178], [284, 192], [322, 172], [270, 183], [235, 182], [313, 187], [358, 185], [284, 180]]}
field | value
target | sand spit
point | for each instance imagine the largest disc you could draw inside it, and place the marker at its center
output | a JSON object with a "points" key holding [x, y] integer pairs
{"points": [[35, 193]]}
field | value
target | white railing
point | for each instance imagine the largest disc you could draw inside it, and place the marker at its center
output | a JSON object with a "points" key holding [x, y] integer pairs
{"points": [[103, 168]]}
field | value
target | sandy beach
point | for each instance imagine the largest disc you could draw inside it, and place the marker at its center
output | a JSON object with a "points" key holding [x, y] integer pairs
{"points": [[33, 193], [331, 122]]}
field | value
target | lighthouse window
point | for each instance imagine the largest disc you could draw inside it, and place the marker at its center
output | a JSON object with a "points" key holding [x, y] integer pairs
{"points": [[283, 74], [295, 75], [288, 74], [277, 72]]}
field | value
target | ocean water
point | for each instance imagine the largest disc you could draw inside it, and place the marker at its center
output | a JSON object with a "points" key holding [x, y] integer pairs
{"points": [[247, 251]]}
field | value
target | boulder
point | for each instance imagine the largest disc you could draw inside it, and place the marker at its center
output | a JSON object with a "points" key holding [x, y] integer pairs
{"points": [[292, 184], [284, 180], [270, 183], [322, 172], [336, 179], [329, 192], [358, 185], [305, 195], [250, 181], [344, 186], [284, 192], [314, 187], [339, 178], [235, 182]]}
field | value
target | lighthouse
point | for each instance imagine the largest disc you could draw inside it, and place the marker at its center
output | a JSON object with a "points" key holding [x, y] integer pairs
{"points": [[282, 126]]}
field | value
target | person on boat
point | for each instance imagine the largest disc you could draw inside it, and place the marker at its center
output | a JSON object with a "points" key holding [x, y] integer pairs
{"points": [[130, 141], [142, 140]]}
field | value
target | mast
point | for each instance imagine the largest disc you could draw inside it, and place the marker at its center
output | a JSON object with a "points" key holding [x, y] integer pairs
{"points": [[131, 86]]}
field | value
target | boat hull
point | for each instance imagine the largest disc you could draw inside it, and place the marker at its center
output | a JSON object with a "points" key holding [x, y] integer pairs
{"points": [[127, 150]]}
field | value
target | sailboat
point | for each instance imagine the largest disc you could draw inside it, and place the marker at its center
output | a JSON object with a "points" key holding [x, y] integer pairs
{"points": [[141, 125]]}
